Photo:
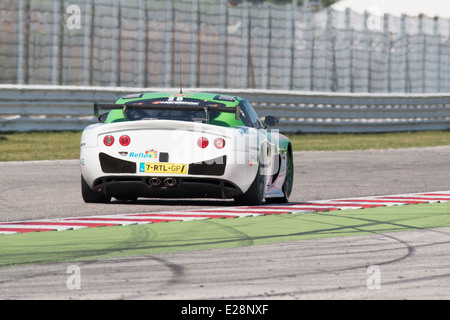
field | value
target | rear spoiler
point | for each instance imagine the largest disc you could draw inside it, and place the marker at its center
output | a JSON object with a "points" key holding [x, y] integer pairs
{"points": [[201, 106]]}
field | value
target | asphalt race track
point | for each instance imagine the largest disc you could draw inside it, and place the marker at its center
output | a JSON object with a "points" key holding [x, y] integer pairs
{"points": [[332, 268], [49, 189]]}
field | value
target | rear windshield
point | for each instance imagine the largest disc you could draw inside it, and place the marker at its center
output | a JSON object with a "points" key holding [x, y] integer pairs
{"points": [[166, 114]]}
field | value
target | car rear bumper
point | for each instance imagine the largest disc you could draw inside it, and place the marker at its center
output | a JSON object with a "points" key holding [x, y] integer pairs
{"points": [[165, 187], [212, 167]]}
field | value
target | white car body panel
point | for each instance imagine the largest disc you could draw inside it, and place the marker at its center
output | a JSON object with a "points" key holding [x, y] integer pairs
{"points": [[179, 140], [176, 145]]}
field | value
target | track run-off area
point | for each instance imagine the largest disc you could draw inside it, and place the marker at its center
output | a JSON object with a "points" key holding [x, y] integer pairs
{"points": [[359, 225]]}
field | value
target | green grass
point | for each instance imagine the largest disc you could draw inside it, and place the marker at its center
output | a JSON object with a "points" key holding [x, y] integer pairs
{"points": [[105, 242], [29, 146], [334, 142], [66, 145]]}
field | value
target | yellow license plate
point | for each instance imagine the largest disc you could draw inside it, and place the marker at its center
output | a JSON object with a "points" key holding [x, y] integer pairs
{"points": [[157, 167]]}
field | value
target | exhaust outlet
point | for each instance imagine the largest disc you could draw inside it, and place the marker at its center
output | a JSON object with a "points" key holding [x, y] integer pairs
{"points": [[170, 182], [155, 182]]}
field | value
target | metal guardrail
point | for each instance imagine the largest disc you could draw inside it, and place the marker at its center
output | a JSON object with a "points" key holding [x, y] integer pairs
{"points": [[57, 108]]}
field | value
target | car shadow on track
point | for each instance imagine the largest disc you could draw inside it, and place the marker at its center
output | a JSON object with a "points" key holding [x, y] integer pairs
{"points": [[177, 202]]}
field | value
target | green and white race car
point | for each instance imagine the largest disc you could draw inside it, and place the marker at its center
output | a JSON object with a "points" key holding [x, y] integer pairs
{"points": [[184, 145]]}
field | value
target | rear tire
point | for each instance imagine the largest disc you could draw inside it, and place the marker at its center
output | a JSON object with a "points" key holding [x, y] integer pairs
{"points": [[254, 196], [287, 185], [90, 196]]}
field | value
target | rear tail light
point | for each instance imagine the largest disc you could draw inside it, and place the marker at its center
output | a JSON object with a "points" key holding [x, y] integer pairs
{"points": [[202, 142], [219, 143], [124, 140], [108, 140]]}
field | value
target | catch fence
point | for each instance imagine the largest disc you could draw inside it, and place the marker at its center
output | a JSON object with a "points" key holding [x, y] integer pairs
{"points": [[212, 44]]}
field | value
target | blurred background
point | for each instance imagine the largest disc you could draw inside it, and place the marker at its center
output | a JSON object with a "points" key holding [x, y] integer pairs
{"points": [[334, 46]]}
